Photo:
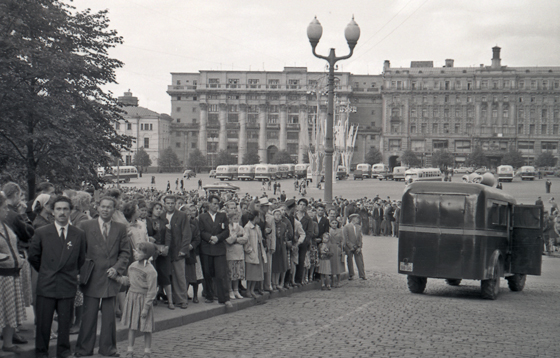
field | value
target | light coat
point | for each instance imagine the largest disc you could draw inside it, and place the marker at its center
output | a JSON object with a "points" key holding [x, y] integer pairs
{"points": [[235, 242], [254, 239], [352, 237]]}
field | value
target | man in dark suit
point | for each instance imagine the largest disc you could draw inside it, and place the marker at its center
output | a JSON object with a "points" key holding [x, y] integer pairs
{"points": [[377, 217], [307, 226], [214, 229], [322, 220], [57, 252], [179, 248], [109, 249], [352, 236]]}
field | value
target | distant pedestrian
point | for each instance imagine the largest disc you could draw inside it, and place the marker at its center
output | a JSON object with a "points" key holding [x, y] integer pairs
{"points": [[548, 184], [168, 186], [176, 184], [539, 201], [269, 185], [199, 184], [153, 180], [183, 184]]}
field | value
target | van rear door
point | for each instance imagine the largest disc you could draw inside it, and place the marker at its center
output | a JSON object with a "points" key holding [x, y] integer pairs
{"points": [[527, 239]]}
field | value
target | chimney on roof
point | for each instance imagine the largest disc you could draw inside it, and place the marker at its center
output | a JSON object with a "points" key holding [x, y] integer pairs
{"points": [[496, 60], [386, 65], [449, 62], [128, 99]]}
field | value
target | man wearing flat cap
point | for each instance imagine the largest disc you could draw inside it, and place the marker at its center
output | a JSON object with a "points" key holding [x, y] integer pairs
{"points": [[352, 236]]}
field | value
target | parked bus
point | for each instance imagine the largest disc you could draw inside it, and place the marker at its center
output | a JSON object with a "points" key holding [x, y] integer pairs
{"points": [[125, 173], [246, 172], [283, 171], [505, 172], [291, 170], [527, 172], [228, 172], [399, 173], [301, 170], [266, 172], [365, 168], [379, 169], [422, 174]]}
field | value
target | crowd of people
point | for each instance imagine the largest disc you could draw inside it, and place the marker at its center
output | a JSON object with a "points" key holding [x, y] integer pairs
{"points": [[71, 254]]}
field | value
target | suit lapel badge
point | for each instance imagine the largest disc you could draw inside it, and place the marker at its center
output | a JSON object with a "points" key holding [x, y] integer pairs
{"points": [[69, 245]]}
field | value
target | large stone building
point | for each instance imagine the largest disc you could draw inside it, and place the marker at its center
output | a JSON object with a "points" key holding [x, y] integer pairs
{"points": [[458, 109], [241, 111], [150, 129], [422, 108]]}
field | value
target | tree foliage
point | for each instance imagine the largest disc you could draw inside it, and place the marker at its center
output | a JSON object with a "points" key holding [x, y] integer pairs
{"points": [[56, 122], [224, 158], [282, 157], [141, 158], [513, 158], [477, 158], [251, 157], [196, 160], [410, 158], [545, 159], [442, 159], [168, 160], [373, 156]]}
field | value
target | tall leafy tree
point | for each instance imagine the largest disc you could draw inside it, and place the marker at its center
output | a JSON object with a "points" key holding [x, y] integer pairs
{"points": [[168, 160], [196, 160], [545, 159], [251, 157], [56, 121], [224, 158], [477, 158], [410, 158], [373, 156], [443, 159], [282, 157], [141, 159], [513, 158]]}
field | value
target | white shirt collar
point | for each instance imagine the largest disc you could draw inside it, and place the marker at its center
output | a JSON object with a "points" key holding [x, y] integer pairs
{"points": [[213, 216], [58, 227], [101, 222]]}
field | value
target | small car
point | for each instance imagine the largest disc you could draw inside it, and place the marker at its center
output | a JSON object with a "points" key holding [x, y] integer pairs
{"points": [[189, 174], [212, 173], [357, 174]]}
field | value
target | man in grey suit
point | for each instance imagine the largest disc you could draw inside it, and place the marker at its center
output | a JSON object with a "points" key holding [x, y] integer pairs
{"points": [[352, 236], [57, 252], [109, 249]]}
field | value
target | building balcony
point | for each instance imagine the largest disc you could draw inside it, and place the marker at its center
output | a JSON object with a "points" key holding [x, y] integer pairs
{"points": [[175, 89], [273, 126], [232, 125], [253, 126], [293, 125]]}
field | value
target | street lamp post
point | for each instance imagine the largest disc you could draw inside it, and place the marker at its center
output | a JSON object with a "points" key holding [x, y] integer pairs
{"points": [[314, 33]]}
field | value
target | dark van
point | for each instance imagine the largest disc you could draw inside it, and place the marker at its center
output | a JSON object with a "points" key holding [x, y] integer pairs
{"points": [[456, 231], [358, 174]]}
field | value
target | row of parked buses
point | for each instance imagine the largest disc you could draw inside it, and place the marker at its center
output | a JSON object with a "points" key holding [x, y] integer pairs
{"points": [[259, 171], [124, 173]]}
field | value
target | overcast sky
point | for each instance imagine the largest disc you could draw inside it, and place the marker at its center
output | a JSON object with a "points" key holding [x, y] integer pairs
{"points": [[164, 36]]}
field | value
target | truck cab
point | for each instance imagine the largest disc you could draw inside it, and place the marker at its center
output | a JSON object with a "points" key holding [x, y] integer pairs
{"points": [[457, 231]]}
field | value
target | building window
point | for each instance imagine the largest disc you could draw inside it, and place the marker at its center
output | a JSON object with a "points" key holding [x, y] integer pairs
{"points": [[463, 146], [434, 128], [293, 136], [146, 143], [555, 129], [413, 128], [178, 120], [446, 128], [440, 144], [544, 114], [271, 134], [394, 145], [233, 134], [233, 117], [293, 119], [543, 129], [117, 126], [531, 129], [417, 145], [395, 128], [193, 145], [505, 113], [178, 109], [457, 128], [424, 128], [177, 145], [213, 108], [272, 119], [526, 146]]}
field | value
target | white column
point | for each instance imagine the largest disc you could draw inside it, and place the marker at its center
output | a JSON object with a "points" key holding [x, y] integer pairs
{"points": [[283, 135], [202, 132], [242, 140], [303, 133], [262, 133], [222, 134]]}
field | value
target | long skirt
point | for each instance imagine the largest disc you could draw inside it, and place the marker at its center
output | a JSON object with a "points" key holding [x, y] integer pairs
{"points": [[313, 256], [236, 269], [12, 305], [337, 261], [280, 258], [132, 316]]}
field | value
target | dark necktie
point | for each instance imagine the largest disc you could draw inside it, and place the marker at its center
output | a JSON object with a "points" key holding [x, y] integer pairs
{"points": [[105, 231], [62, 234]]}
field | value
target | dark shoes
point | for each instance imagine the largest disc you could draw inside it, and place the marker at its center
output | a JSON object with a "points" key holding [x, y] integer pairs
{"points": [[195, 299], [17, 339], [350, 278], [13, 349], [208, 301]]}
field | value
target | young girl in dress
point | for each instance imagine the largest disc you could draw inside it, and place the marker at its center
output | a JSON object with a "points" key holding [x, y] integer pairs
{"points": [[255, 256], [138, 309], [325, 262]]}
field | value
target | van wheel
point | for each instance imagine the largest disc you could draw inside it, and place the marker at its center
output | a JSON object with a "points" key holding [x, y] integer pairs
{"points": [[491, 288], [416, 284], [516, 282], [453, 282]]}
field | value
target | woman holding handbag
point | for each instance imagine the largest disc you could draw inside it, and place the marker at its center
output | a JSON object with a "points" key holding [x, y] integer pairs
{"points": [[12, 310]]}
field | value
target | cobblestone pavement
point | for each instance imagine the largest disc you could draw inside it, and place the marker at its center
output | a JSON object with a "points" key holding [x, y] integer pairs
{"points": [[381, 318]]}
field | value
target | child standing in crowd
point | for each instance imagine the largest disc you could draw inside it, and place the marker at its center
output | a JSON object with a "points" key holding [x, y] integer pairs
{"points": [[325, 262], [138, 308]]}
